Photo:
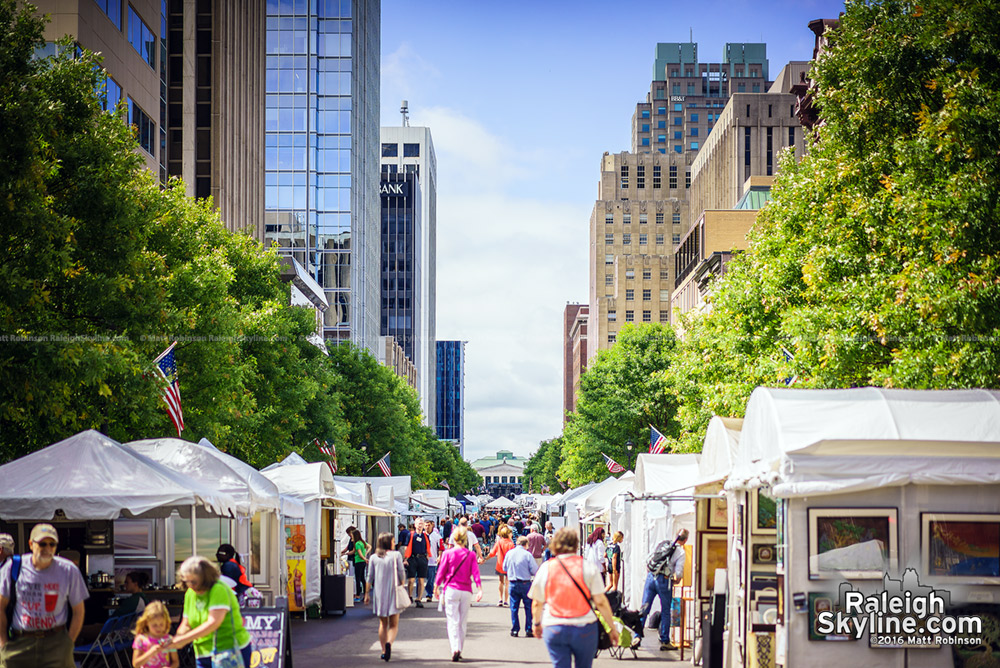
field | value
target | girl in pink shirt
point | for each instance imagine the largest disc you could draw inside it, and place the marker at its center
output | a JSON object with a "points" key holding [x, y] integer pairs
{"points": [[457, 569]]}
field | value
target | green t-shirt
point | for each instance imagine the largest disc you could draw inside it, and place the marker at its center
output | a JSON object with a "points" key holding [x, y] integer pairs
{"points": [[359, 551], [196, 608]]}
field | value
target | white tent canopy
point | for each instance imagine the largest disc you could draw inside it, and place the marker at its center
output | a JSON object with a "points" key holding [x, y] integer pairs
{"points": [[890, 436], [501, 503], [203, 461], [293, 459], [400, 484], [722, 440], [306, 482], [90, 476]]}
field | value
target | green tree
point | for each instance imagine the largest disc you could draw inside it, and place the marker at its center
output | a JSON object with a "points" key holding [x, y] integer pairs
{"points": [[543, 465], [622, 393], [876, 261]]}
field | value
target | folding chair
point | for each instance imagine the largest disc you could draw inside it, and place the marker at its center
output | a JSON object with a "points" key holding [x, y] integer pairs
{"points": [[103, 646]]}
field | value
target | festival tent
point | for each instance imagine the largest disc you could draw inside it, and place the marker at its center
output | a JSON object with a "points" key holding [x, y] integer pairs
{"points": [[561, 505], [501, 503], [293, 459], [90, 476]]}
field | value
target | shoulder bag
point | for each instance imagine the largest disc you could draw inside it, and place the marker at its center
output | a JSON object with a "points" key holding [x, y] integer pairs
{"points": [[227, 658], [603, 637], [402, 597]]}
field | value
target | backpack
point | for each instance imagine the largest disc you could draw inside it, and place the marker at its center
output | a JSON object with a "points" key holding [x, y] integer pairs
{"points": [[660, 556], [15, 571]]}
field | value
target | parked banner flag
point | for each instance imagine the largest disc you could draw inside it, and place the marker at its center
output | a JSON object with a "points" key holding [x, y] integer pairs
{"points": [[657, 441], [167, 366], [331, 455], [384, 465], [613, 466], [444, 483]]}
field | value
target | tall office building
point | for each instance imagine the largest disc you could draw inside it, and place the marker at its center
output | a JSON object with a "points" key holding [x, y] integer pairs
{"points": [[574, 354], [401, 267], [451, 392], [410, 150], [321, 156], [192, 77], [642, 208]]}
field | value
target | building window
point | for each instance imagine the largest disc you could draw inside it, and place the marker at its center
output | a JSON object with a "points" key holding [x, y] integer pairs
{"points": [[390, 150], [678, 106], [678, 148], [642, 239], [675, 218], [627, 219], [609, 259], [660, 94], [647, 295], [687, 174], [690, 89], [640, 177], [694, 132], [770, 151], [645, 113], [611, 339], [677, 239], [629, 316], [145, 128], [645, 127], [741, 88], [113, 10], [678, 120], [672, 182], [627, 239], [646, 274], [659, 218], [612, 316], [110, 93], [661, 125], [141, 38], [629, 294], [645, 141], [659, 239], [746, 147], [624, 177], [662, 151], [609, 239], [661, 139], [643, 218], [661, 111], [629, 273], [678, 134], [609, 279], [664, 316], [769, 111], [694, 118], [756, 88], [609, 219], [411, 150], [647, 316], [656, 177], [791, 136], [694, 146], [664, 296], [664, 275]]}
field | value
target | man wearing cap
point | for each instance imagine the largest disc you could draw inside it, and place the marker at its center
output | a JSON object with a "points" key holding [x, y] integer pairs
{"points": [[6, 547], [46, 588]]}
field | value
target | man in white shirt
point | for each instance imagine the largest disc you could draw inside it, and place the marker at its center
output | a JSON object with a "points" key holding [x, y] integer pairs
{"points": [[473, 541], [432, 557], [661, 584]]}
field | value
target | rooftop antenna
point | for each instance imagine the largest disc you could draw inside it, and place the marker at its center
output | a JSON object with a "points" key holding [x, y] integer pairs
{"points": [[404, 109], [691, 38]]}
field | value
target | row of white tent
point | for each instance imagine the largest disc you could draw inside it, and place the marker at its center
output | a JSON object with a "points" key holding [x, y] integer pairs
{"points": [[916, 451]]}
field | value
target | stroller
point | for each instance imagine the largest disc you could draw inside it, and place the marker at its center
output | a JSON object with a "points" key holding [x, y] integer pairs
{"points": [[628, 625]]}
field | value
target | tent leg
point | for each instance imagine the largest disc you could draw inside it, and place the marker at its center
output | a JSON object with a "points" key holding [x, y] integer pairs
{"points": [[194, 530]]}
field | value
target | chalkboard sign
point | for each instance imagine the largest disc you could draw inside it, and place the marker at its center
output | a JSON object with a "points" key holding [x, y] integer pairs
{"points": [[270, 636]]}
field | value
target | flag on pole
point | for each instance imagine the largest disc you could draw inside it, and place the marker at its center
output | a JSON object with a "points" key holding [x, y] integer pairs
{"points": [[613, 466], [167, 366], [331, 455], [384, 465], [657, 441], [444, 483]]}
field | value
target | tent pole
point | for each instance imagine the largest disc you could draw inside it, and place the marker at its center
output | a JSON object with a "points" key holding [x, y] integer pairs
{"points": [[194, 530]]}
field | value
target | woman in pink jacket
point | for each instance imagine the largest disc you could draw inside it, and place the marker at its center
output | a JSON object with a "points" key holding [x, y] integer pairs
{"points": [[457, 570]]}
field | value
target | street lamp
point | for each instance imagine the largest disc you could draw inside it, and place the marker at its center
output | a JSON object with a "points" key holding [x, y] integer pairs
{"points": [[629, 446]]}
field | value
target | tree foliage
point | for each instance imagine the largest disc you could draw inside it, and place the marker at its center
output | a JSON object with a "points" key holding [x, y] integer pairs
{"points": [[543, 465], [876, 262]]}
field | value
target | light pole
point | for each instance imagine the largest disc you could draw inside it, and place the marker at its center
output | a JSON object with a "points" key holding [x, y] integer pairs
{"points": [[629, 446]]}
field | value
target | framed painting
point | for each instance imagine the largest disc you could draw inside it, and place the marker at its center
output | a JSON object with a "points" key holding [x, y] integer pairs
{"points": [[823, 602], [711, 556], [852, 543], [717, 513], [135, 538], [962, 547], [147, 566], [764, 554], [763, 513]]}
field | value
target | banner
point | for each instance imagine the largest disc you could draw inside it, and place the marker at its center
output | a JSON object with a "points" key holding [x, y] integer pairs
{"points": [[269, 636], [295, 557]]}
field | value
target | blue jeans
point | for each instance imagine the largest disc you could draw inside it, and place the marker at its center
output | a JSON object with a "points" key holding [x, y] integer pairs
{"points": [[519, 594], [247, 652], [429, 587], [566, 643], [661, 586]]}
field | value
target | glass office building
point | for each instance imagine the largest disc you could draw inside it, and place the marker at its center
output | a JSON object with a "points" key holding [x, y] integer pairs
{"points": [[451, 392], [321, 153], [401, 263]]}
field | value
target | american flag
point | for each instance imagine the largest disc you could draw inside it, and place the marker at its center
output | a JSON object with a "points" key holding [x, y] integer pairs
{"points": [[444, 483], [613, 466], [331, 455], [384, 465], [167, 366], [657, 441]]}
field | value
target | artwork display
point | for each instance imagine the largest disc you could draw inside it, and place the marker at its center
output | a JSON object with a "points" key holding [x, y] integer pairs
{"points": [[852, 543], [123, 568], [764, 553], [711, 556], [134, 538], [717, 514], [823, 602], [763, 513], [779, 544], [961, 547]]}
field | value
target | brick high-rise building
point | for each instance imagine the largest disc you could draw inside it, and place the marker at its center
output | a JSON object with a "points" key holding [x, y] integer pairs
{"points": [[642, 208], [574, 353]]}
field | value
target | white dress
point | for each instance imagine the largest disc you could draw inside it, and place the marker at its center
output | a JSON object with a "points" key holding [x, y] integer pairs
{"points": [[384, 573]]}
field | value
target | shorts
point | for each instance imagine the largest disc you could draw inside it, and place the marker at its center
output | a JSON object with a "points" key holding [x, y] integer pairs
{"points": [[417, 566]]}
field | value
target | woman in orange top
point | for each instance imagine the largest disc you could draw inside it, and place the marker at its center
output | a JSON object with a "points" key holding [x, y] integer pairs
{"points": [[500, 549]]}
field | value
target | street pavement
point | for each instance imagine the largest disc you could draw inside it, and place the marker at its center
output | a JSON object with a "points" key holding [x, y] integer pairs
{"points": [[352, 639]]}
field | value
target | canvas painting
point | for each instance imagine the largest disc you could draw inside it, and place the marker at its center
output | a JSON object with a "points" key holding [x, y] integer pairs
{"points": [[712, 556], [765, 513], [855, 543], [961, 546], [717, 513]]}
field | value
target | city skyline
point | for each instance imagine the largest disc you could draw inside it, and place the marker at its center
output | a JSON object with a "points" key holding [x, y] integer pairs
{"points": [[520, 126]]}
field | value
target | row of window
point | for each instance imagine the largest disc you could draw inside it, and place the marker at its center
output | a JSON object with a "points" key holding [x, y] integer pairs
{"points": [[392, 150], [647, 316], [678, 106], [609, 239], [647, 274], [501, 480], [675, 218]]}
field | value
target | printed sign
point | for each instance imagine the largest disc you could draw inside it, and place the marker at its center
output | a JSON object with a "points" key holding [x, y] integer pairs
{"points": [[268, 628], [295, 557]]}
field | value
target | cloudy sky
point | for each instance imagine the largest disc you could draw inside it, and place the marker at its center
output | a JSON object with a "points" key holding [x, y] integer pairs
{"points": [[522, 99]]}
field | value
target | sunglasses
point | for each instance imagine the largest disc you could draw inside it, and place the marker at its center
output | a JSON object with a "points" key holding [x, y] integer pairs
{"points": [[46, 543]]}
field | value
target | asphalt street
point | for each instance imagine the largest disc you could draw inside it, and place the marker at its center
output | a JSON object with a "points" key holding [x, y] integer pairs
{"points": [[352, 640]]}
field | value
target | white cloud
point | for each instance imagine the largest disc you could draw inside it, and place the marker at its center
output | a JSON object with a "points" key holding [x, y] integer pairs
{"points": [[404, 72]]}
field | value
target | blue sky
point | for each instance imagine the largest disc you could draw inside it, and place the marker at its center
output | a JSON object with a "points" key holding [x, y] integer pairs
{"points": [[522, 99]]}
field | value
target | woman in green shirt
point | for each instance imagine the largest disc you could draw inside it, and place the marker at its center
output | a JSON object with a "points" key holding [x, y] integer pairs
{"points": [[360, 553], [211, 619]]}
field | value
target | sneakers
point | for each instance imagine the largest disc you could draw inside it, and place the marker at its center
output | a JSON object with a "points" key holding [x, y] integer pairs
{"points": [[419, 604], [513, 634], [529, 634], [388, 652], [499, 604], [456, 657], [667, 647]]}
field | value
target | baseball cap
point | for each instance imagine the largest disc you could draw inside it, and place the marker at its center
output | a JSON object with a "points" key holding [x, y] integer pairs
{"points": [[7, 542], [41, 531]]}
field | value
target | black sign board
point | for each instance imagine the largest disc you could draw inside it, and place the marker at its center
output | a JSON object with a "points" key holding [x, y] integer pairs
{"points": [[270, 637]]}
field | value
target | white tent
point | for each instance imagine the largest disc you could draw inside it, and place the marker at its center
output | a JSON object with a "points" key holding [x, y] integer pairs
{"points": [[599, 499], [90, 476], [562, 505], [722, 440], [400, 485], [501, 503]]}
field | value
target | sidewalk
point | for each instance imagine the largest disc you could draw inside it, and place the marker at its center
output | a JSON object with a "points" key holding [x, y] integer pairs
{"points": [[352, 640]]}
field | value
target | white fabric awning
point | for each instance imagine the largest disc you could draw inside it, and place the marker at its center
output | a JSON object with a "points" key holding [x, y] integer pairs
{"points": [[90, 476], [722, 441], [354, 506], [305, 482], [502, 502]]}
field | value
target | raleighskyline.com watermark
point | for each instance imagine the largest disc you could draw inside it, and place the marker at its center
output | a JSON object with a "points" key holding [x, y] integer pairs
{"points": [[904, 614]]}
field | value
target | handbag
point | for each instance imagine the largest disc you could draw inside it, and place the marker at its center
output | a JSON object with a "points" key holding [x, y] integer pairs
{"points": [[402, 597], [603, 636], [227, 658]]}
